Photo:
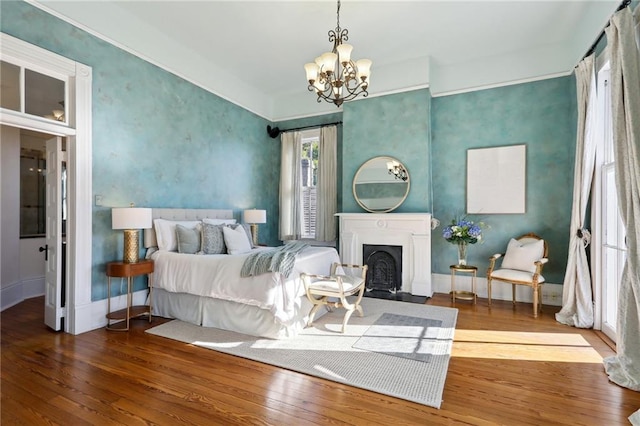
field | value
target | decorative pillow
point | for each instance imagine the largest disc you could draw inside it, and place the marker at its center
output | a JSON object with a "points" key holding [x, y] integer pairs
{"points": [[213, 239], [522, 256], [188, 239], [247, 229], [166, 232], [218, 221], [236, 240]]}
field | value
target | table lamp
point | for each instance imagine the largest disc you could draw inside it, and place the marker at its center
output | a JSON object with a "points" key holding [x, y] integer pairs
{"points": [[131, 219], [254, 217]]}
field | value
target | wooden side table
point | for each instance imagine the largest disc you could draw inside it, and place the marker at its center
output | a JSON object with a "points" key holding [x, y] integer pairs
{"points": [[128, 271], [460, 294]]}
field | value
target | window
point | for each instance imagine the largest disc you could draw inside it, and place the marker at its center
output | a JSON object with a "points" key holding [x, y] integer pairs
{"points": [[31, 92], [309, 166], [608, 226], [33, 168]]}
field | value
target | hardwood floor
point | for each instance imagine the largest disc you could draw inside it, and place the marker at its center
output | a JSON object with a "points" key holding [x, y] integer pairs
{"points": [[506, 368]]}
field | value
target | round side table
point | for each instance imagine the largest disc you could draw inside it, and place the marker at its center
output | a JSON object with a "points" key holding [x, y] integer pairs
{"points": [[461, 294]]}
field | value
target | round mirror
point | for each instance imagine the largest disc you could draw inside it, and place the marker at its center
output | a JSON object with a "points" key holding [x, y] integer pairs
{"points": [[381, 184]]}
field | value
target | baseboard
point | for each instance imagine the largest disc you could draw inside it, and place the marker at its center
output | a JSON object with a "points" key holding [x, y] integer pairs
{"points": [[551, 293], [94, 315], [21, 290]]}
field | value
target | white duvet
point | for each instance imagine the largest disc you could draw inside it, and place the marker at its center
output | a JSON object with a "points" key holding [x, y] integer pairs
{"points": [[218, 276]]}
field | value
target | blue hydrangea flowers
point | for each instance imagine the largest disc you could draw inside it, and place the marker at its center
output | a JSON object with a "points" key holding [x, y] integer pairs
{"points": [[463, 231]]}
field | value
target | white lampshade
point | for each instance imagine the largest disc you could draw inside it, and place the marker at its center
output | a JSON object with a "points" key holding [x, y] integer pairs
{"points": [[131, 218], [364, 68], [344, 52], [312, 72], [329, 62], [255, 216]]}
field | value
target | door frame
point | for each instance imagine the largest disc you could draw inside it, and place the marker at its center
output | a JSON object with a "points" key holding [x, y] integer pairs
{"points": [[78, 318]]}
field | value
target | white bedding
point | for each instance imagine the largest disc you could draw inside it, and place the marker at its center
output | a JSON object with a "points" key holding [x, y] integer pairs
{"points": [[218, 277]]}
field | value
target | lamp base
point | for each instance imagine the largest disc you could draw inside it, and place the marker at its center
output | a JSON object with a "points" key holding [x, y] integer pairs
{"points": [[254, 233], [131, 246]]}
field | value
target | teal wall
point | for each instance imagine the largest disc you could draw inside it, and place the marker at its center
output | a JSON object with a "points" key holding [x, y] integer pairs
{"points": [[158, 141], [425, 132], [396, 126], [541, 115]]}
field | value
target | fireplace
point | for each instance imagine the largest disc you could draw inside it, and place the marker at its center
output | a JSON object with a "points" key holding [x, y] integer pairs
{"points": [[410, 231], [385, 267]]}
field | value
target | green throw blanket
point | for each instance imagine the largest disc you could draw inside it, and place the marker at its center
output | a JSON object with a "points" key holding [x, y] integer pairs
{"points": [[280, 259]]}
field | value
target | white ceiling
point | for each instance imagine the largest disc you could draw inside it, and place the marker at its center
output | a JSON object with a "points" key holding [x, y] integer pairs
{"points": [[253, 52]]}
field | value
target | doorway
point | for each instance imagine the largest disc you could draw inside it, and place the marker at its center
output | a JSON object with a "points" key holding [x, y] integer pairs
{"points": [[26, 170], [75, 126]]}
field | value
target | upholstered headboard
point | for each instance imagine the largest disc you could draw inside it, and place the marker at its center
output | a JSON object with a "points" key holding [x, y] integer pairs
{"points": [[182, 214]]}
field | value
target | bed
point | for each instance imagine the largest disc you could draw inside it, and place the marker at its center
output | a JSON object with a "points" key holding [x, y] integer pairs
{"points": [[208, 290]]}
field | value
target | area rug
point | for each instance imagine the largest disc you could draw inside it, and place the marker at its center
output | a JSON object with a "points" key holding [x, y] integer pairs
{"points": [[401, 335], [322, 351]]}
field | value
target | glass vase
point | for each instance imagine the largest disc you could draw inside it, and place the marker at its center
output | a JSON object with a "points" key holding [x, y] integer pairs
{"points": [[462, 253]]}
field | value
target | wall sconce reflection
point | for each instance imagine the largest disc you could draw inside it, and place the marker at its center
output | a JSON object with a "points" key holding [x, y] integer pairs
{"points": [[397, 170]]}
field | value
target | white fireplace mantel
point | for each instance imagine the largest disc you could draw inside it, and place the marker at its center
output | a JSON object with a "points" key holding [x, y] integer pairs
{"points": [[412, 231]]}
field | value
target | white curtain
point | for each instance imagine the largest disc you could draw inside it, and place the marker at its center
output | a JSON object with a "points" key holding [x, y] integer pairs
{"points": [[327, 186], [577, 298], [290, 186], [623, 44]]}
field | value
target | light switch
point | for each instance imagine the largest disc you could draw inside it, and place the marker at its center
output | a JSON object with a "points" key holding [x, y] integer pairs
{"points": [[98, 200]]}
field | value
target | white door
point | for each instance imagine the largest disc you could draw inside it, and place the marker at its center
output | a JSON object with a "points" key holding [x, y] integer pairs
{"points": [[53, 311]]}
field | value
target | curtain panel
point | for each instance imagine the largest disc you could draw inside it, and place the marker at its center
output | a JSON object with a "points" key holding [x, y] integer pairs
{"points": [[577, 297], [623, 44], [290, 186], [327, 187]]}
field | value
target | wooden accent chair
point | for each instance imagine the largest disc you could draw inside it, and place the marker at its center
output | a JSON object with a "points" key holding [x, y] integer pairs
{"points": [[320, 289], [521, 265]]}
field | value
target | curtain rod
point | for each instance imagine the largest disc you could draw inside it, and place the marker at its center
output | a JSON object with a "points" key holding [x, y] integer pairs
{"points": [[592, 49], [274, 131]]}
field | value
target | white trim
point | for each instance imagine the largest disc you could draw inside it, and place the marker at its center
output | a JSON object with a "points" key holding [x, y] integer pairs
{"points": [[32, 122], [340, 110], [94, 315], [79, 147], [596, 201], [80, 208], [501, 84], [19, 291]]}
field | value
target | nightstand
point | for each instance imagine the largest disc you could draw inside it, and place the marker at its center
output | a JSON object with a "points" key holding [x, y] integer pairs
{"points": [[128, 271], [460, 294]]}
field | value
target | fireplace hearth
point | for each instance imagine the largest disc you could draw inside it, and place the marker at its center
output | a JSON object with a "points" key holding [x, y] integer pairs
{"points": [[385, 267]]}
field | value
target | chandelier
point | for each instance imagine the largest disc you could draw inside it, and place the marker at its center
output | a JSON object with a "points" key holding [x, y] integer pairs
{"points": [[333, 76]]}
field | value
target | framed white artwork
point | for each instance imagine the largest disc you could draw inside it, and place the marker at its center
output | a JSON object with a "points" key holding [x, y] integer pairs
{"points": [[496, 180]]}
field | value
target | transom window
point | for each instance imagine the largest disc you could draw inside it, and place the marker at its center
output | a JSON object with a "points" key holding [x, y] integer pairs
{"points": [[31, 92]]}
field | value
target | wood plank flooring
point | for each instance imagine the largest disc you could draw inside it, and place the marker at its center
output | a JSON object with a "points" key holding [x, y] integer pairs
{"points": [[506, 368]]}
